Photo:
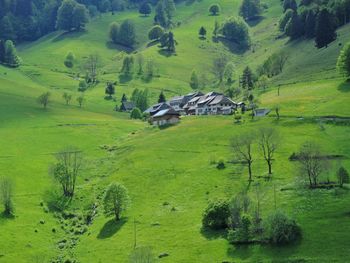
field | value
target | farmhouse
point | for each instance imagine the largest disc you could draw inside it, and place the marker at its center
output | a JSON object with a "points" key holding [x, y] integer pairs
{"points": [[164, 117], [157, 107]]}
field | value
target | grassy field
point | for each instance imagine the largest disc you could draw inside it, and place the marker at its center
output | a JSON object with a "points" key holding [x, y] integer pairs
{"points": [[169, 172]]}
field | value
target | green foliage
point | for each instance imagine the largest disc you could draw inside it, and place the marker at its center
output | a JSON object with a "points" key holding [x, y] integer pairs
{"points": [[110, 89], [281, 229], [145, 9], [194, 81], [242, 233], [115, 200], [343, 63], [6, 195], [165, 10], [114, 32], [136, 114], [236, 30], [140, 98], [247, 79], [214, 9], [69, 60], [71, 15], [161, 97], [155, 33], [8, 54], [216, 215], [43, 99], [81, 100], [128, 65], [168, 41], [249, 9], [6, 29], [80, 17], [82, 85], [325, 28], [274, 65], [294, 28], [67, 97], [127, 34], [228, 73], [343, 176], [285, 19]]}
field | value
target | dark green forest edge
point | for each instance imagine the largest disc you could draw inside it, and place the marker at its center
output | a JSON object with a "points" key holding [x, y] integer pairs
{"points": [[103, 185]]}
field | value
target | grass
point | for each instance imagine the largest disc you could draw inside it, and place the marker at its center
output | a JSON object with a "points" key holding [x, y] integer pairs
{"points": [[168, 172]]}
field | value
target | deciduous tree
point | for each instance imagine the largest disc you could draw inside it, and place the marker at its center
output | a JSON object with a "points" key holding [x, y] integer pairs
{"points": [[115, 200]]}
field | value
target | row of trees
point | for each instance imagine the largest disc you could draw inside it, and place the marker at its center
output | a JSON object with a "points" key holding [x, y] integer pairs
{"points": [[44, 99]]}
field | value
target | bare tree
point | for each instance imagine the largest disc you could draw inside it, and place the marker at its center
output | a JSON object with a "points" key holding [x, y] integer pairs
{"points": [[268, 142], [242, 149], [281, 60], [67, 169], [6, 194], [91, 66], [311, 162]]}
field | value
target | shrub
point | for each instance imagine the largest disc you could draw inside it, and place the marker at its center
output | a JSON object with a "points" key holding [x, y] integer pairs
{"points": [[155, 33], [220, 165], [136, 114], [281, 229], [242, 233], [236, 30], [214, 9], [216, 215]]}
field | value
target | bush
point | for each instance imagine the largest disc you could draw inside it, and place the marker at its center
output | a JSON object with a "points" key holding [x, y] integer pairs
{"points": [[281, 229], [136, 114], [214, 9], [220, 165], [236, 30], [216, 215]]}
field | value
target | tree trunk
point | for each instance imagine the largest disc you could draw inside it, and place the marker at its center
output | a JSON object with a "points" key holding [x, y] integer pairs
{"points": [[270, 166], [250, 171]]}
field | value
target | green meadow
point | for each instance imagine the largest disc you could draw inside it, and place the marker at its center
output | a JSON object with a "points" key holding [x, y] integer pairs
{"points": [[170, 173]]}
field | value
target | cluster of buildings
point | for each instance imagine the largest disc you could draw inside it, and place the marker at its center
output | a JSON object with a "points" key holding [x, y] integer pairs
{"points": [[197, 103]]}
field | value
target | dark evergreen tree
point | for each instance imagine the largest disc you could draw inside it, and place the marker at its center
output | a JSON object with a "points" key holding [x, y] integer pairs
{"points": [[161, 16], [6, 29], [161, 97], [325, 28], [250, 9], [124, 98], [171, 42], [310, 24], [289, 4], [110, 89], [247, 79], [202, 32], [294, 28], [145, 9], [114, 32], [127, 33]]}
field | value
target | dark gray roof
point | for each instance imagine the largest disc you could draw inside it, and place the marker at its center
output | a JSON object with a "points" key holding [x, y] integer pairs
{"points": [[165, 112], [128, 105]]}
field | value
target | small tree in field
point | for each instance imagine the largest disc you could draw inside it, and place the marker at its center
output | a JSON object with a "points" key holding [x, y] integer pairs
{"points": [[136, 114], [67, 169], [67, 97], [202, 32], [241, 146], [116, 200], [110, 89], [268, 141], [145, 9], [44, 99], [81, 100], [343, 63], [194, 81], [214, 9], [343, 176], [6, 194]]}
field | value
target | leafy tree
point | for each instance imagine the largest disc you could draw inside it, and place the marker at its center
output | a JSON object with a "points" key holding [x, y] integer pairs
{"points": [[194, 82], [128, 65], [110, 89], [145, 9], [294, 28], [219, 66], [247, 80], [65, 15], [325, 28], [216, 215], [69, 60], [67, 97], [114, 32], [202, 32], [6, 195], [228, 73], [268, 142], [155, 33], [310, 24], [242, 149], [161, 97], [281, 229], [80, 17], [115, 200], [236, 30], [81, 100], [7, 31], [343, 63], [127, 33], [289, 4], [343, 176], [140, 98], [285, 19], [44, 99], [161, 16], [242, 233], [170, 8], [249, 9], [214, 9], [10, 54], [82, 85], [136, 114]]}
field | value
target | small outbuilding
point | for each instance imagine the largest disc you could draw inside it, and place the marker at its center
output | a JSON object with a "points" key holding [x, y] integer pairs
{"points": [[127, 106], [261, 112], [164, 117]]}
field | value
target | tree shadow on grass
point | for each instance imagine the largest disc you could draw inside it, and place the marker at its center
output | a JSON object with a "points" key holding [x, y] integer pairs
{"points": [[153, 43], [255, 21], [166, 53], [124, 78], [111, 45], [213, 234], [111, 227], [344, 87], [232, 46], [68, 34], [6, 216]]}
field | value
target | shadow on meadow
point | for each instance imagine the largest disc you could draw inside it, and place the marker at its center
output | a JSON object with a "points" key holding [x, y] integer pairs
{"points": [[254, 22], [344, 87], [111, 227], [213, 234], [5, 216], [111, 45], [233, 47]]}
